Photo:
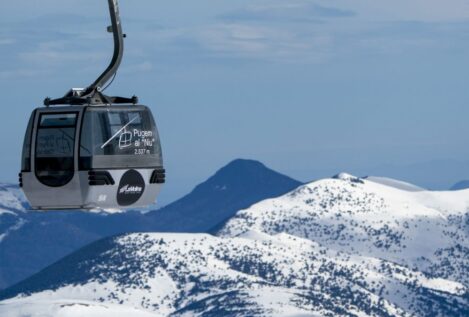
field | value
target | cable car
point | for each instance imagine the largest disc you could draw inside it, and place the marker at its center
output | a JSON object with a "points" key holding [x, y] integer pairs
{"points": [[87, 150]]}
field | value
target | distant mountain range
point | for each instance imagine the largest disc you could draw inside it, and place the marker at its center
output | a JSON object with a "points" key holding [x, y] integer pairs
{"points": [[461, 185], [344, 246], [435, 174], [30, 241]]}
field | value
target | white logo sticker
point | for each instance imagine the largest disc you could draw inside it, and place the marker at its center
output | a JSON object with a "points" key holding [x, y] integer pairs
{"points": [[127, 189]]}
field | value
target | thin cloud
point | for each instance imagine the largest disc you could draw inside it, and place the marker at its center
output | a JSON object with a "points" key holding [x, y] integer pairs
{"points": [[7, 41], [50, 56], [262, 42], [287, 32], [298, 11]]}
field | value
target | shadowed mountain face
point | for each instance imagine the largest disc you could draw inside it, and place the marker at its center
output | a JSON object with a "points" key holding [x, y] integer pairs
{"points": [[461, 185], [30, 241], [236, 186], [336, 247]]}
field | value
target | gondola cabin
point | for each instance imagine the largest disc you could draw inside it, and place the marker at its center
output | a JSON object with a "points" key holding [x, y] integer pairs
{"points": [[93, 157], [88, 150]]}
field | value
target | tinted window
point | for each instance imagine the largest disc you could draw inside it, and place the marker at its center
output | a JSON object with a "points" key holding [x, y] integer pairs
{"points": [[55, 144], [58, 120], [115, 138]]}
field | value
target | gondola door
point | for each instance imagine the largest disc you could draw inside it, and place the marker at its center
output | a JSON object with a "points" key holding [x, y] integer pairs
{"points": [[54, 162]]}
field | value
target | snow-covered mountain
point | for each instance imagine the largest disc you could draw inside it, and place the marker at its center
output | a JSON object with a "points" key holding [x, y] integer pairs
{"points": [[13, 204], [420, 230], [30, 241], [12, 200], [336, 247], [13, 208], [238, 185]]}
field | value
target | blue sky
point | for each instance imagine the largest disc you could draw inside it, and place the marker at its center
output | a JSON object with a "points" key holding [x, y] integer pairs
{"points": [[308, 87]]}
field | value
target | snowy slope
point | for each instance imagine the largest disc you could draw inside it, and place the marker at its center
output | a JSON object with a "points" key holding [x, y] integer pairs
{"points": [[13, 206], [31, 241], [420, 230], [64, 308], [336, 247], [12, 199], [394, 183], [176, 274]]}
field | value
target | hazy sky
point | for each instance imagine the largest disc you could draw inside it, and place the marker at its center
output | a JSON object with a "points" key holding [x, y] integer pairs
{"points": [[307, 87]]}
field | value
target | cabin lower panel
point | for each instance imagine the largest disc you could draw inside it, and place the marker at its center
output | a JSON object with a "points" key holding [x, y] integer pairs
{"points": [[130, 189], [41, 196]]}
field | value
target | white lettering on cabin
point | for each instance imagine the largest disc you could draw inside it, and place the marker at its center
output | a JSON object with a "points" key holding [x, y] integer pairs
{"points": [[143, 134], [127, 189]]}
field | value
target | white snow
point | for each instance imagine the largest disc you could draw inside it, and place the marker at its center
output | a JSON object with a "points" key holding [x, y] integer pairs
{"points": [[395, 183], [15, 227], [370, 213], [444, 285], [68, 308], [381, 239], [11, 199]]}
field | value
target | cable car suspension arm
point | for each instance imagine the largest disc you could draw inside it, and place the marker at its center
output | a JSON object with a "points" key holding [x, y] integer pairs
{"points": [[93, 94]]}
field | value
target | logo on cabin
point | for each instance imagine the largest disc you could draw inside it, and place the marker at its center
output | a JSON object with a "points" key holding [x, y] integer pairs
{"points": [[127, 189], [131, 188]]}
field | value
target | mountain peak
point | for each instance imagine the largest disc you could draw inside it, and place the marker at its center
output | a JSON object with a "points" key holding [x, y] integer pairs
{"points": [[244, 163], [240, 167], [236, 186], [344, 176], [331, 247], [44, 238], [347, 177], [246, 175]]}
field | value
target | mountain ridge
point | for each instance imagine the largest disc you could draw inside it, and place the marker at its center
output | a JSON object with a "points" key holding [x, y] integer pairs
{"points": [[235, 186], [460, 185], [30, 241], [341, 247]]}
